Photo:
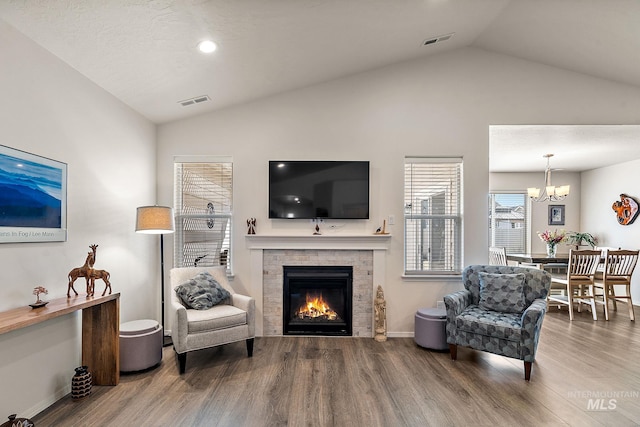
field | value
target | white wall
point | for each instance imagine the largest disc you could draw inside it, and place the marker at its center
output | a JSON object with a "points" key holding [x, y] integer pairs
{"points": [[540, 210], [49, 109], [598, 218], [442, 105]]}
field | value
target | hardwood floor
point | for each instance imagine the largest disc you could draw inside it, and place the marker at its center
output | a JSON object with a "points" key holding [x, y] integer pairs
{"points": [[587, 373]]}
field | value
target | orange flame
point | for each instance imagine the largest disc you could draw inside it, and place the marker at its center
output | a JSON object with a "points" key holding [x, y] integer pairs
{"points": [[316, 306]]}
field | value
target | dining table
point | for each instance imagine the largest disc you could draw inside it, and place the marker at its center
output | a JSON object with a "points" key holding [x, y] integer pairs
{"points": [[538, 258]]}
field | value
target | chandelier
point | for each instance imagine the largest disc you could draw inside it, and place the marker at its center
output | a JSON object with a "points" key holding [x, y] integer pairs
{"points": [[550, 192]]}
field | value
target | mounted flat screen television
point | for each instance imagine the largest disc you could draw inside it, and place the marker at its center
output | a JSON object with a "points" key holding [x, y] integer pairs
{"points": [[319, 189]]}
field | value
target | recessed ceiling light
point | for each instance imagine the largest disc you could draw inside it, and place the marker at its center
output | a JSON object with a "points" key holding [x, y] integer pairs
{"points": [[207, 46]]}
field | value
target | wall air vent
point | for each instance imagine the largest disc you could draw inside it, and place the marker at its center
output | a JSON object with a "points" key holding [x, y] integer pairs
{"points": [[432, 40], [196, 100]]}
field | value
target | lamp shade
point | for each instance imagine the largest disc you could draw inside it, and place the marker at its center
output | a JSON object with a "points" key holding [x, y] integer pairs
{"points": [[154, 220]]}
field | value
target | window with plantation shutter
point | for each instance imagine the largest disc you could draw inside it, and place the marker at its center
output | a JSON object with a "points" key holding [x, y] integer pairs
{"points": [[432, 216], [203, 211], [508, 221]]}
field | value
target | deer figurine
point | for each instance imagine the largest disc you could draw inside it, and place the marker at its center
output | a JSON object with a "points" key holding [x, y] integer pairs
{"points": [[99, 274], [83, 271]]}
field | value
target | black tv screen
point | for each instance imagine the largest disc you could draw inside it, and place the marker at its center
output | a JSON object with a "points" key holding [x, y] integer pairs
{"points": [[319, 189]]}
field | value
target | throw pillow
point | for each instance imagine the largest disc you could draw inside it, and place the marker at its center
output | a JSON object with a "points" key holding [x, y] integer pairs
{"points": [[202, 292], [502, 292]]}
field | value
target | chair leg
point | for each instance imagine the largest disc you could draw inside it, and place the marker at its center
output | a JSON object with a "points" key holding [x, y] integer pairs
{"points": [[453, 349], [592, 296], [250, 347], [527, 371], [182, 360], [570, 301], [605, 297], [630, 302]]}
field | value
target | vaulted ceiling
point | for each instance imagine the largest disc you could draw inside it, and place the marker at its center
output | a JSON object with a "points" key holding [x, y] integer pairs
{"points": [[144, 51]]}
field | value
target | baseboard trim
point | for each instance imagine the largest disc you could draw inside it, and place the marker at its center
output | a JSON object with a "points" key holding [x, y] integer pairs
{"points": [[400, 334], [44, 404]]}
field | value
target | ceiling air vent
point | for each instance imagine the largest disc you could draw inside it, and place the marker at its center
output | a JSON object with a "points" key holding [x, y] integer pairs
{"points": [[437, 39], [196, 100]]}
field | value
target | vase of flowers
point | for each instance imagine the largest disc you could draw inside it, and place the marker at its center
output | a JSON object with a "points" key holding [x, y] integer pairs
{"points": [[551, 250], [552, 238]]}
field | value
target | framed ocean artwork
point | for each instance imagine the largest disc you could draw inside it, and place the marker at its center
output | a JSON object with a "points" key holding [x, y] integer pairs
{"points": [[33, 198]]}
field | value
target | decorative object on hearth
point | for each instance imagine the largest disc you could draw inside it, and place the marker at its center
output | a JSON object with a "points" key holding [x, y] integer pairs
{"points": [[251, 223], [317, 232], [83, 271], [550, 193], [157, 220], [81, 383], [37, 291], [581, 239], [17, 422], [552, 238], [380, 308], [626, 209]]}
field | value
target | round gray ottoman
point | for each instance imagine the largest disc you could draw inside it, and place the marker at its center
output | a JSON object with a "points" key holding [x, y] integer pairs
{"points": [[140, 345], [430, 328]]}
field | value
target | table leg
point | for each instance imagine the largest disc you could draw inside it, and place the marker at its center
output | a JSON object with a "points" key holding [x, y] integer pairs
{"points": [[101, 342]]}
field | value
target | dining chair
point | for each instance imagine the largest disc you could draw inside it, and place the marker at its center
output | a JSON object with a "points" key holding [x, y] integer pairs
{"points": [[618, 269], [579, 281], [497, 256]]}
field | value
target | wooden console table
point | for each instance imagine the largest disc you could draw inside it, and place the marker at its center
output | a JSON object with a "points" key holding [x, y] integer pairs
{"points": [[100, 330]]}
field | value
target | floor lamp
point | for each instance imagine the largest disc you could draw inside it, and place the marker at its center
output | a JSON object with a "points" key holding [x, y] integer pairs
{"points": [[157, 220]]}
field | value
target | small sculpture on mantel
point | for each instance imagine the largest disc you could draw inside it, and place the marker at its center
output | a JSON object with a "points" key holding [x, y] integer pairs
{"points": [[383, 229], [251, 223], [380, 308]]}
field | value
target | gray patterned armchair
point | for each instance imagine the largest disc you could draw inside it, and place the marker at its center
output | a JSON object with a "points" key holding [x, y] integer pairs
{"points": [[500, 311]]}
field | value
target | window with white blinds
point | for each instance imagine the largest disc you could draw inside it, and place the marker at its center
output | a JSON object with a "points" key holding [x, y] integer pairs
{"points": [[203, 210], [508, 221], [432, 216]]}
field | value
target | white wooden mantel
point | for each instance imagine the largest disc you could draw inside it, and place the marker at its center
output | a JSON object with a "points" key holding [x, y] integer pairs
{"points": [[257, 243]]}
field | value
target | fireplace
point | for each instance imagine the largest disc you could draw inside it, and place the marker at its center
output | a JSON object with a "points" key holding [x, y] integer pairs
{"points": [[317, 300]]}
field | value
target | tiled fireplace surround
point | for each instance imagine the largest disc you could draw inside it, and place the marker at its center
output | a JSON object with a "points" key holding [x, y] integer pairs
{"points": [[366, 253]]}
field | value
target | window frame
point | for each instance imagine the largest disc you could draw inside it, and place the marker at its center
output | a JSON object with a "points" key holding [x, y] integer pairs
{"points": [[210, 215], [526, 221], [453, 217]]}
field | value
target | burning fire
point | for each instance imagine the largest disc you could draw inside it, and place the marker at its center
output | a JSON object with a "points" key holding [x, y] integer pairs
{"points": [[316, 307]]}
